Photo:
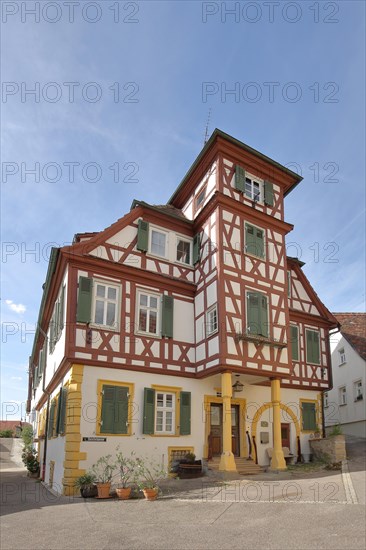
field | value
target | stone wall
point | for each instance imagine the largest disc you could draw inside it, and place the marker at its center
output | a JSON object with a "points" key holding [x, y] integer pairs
{"points": [[332, 449]]}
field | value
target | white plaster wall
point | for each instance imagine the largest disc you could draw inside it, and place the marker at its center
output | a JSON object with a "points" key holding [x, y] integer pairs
{"points": [[156, 446], [345, 375]]}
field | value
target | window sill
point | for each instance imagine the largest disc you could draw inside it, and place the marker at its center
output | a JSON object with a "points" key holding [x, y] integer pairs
{"points": [[258, 339], [261, 258], [103, 327], [148, 335], [342, 404]]}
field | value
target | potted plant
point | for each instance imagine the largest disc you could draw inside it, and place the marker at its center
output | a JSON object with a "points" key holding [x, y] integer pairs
{"points": [[30, 460], [126, 469], [86, 484], [189, 467], [103, 471], [148, 474]]}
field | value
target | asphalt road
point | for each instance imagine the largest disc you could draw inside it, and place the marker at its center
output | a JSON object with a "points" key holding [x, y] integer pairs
{"points": [[319, 511]]}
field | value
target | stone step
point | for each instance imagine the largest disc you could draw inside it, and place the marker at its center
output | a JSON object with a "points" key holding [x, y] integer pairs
{"points": [[243, 465]]}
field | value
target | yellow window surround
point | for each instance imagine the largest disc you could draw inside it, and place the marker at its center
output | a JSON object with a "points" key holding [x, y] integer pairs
{"points": [[131, 391]]}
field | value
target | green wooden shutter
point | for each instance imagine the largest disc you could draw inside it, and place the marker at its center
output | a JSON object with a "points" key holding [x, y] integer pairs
{"points": [[185, 413], [57, 326], [143, 236], [196, 248], [35, 379], [294, 335], [312, 347], [239, 178], [121, 410], [83, 314], [263, 305], [253, 313], [61, 412], [254, 240], [316, 347], [167, 316], [52, 334], [61, 309], [149, 411], [51, 419], [309, 416], [268, 193], [108, 412]]}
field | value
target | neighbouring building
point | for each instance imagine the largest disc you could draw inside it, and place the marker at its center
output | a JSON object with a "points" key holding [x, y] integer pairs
{"points": [[344, 404], [183, 327]]}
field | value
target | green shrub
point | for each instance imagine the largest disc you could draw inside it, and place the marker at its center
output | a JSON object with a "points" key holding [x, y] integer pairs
{"points": [[6, 433], [27, 435], [337, 430]]}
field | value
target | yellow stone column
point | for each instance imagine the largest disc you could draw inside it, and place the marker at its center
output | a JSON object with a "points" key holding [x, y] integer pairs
{"points": [[73, 435], [227, 461], [278, 461]]}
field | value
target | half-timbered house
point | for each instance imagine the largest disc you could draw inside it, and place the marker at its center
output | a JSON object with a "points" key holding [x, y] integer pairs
{"points": [[183, 327]]}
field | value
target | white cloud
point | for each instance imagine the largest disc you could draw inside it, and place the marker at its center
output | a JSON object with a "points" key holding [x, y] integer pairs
{"points": [[18, 308]]}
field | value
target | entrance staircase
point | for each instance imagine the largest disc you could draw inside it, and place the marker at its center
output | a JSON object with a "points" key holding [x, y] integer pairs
{"points": [[245, 466]]}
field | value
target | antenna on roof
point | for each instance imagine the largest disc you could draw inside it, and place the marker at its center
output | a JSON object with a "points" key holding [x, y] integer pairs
{"points": [[207, 125]]}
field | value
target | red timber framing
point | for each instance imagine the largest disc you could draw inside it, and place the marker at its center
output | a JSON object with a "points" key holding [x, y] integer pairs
{"points": [[223, 276]]}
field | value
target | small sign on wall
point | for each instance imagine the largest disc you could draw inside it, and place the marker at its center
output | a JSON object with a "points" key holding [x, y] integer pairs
{"points": [[264, 424], [103, 439], [264, 437]]}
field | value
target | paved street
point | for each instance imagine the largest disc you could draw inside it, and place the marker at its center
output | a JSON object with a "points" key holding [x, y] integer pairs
{"points": [[321, 510]]}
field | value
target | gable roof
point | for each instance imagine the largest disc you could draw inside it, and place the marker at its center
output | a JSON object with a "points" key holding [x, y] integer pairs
{"points": [[353, 329]]}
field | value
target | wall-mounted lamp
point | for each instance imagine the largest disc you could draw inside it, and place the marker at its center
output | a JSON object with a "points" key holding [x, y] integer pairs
{"points": [[238, 386]]}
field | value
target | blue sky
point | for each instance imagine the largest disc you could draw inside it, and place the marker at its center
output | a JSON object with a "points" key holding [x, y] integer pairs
{"points": [[171, 62]]}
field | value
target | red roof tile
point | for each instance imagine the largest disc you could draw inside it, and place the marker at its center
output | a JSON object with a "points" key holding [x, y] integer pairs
{"points": [[353, 328]]}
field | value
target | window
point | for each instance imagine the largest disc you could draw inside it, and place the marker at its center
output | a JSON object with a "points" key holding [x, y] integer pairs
{"points": [[148, 313], [51, 430], [114, 404], [312, 347], [357, 390], [294, 331], [105, 304], [61, 412], [342, 395], [183, 251], [167, 411], [326, 400], [253, 189], [342, 356], [57, 320], [211, 321], [254, 241], [289, 284], [257, 314], [308, 415], [200, 197], [98, 303], [158, 241]]}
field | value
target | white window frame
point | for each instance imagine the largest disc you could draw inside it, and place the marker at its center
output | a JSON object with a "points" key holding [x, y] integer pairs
{"points": [[358, 389], [202, 191], [342, 395], [253, 180], [117, 302], [148, 293], [162, 232], [164, 409], [209, 329], [186, 240], [264, 257], [342, 357]]}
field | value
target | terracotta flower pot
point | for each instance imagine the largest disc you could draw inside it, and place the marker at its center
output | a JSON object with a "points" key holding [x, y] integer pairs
{"points": [[123, 493], [103, 490], [150, 494]]}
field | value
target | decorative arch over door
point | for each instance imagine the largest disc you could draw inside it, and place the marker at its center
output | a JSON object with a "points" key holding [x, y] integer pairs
{"points": [[259, 413]]}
